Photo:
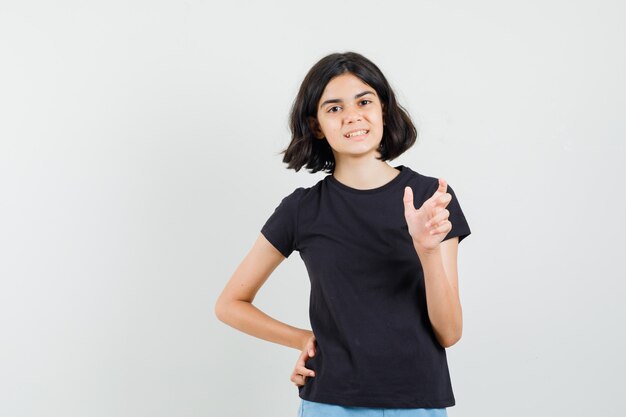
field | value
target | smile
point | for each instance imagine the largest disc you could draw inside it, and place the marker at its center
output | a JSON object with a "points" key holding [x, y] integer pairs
{"points": [[356, 133]]}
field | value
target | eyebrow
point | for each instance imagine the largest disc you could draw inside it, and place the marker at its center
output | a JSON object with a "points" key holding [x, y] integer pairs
{"points": [[338, 100]]}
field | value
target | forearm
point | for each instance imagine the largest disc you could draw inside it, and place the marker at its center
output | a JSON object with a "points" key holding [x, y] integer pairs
{"points": [[442, 298], [244, 316]]}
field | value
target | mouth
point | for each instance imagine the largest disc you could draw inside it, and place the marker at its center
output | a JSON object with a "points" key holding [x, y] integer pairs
{"points": [[356, 134]]}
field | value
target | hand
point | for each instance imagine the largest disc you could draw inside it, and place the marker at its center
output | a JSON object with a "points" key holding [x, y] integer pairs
{"points": [[300, 373], [429, 224]]}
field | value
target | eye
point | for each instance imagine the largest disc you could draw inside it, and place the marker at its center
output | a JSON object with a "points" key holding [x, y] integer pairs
{"points": [[368, 101], [334, 107]]}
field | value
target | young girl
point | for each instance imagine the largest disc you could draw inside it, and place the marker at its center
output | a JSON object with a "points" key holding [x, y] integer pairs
{"points": [[380, 247]]}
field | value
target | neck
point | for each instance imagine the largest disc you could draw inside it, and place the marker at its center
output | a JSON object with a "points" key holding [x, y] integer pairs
{"points": [[364, 174]]}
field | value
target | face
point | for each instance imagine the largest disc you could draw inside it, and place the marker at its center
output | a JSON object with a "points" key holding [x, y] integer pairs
{"points": [[350, 117]]}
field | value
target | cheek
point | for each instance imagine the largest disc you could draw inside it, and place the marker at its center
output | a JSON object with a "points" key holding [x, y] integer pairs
{"points": [[378, 118], [329, 124], [375, 113]]}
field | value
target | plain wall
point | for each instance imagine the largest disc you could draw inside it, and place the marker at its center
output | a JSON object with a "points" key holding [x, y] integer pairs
{"points": [[139, 158]]}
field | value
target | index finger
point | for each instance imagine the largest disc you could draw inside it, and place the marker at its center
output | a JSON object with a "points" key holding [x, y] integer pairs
{"points": [[441, 189], [443, 186], [303, 357]]}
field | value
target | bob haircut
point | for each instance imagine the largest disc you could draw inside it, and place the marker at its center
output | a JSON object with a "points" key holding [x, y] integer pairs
{"points": [[316, 154]]}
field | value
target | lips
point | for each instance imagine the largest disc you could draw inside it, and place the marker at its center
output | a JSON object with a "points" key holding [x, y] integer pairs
{"points": [[356, 132]]}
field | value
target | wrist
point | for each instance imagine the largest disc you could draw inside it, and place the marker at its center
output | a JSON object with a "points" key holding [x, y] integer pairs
{"points": [[423, 252], [304, 338]]}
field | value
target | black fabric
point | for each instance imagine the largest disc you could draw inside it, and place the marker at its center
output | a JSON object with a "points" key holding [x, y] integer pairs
{"points": [[375, 344]]}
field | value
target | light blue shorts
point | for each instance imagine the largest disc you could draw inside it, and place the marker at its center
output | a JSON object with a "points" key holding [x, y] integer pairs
{"points": [[315, 409]]}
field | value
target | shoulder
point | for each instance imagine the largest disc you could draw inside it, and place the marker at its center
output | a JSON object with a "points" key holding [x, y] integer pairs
{"points": [[293, 200], [424, 182], [301, 193], [416, 176], [421, 184]]}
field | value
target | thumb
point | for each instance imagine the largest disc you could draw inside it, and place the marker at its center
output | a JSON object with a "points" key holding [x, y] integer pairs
{"points": [[408, 200]]}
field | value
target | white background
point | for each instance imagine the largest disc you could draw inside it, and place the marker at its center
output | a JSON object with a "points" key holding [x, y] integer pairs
{"points": [[139, 159]]}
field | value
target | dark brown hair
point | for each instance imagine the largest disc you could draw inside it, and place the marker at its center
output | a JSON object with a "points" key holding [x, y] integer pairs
{"points": [[316, 155]]}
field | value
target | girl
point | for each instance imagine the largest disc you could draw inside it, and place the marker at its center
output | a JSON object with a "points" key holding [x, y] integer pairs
{"points": [[384, 300]]}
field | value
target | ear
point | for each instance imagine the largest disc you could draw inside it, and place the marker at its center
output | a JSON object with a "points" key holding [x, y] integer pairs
{"points": [[315, 128]]}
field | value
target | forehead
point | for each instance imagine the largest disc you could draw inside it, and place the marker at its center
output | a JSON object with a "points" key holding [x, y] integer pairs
{"points": [[344, 86]]}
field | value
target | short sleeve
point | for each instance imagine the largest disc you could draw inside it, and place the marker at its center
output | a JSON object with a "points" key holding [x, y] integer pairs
{"points": [[460, 227], [280, 229]]}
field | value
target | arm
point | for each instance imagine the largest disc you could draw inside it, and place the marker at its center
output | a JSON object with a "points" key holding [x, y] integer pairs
{"points": [[428, 226], [234, 305], [442, 291]]}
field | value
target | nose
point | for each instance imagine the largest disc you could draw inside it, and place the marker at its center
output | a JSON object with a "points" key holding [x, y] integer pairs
{"points": [[352, 114]]}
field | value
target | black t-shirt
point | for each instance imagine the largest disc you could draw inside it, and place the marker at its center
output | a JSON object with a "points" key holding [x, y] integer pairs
{"points": [[375, 343]]}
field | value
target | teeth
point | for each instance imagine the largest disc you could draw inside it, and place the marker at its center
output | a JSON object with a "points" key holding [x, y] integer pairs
{"points": [[359, 132]]}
